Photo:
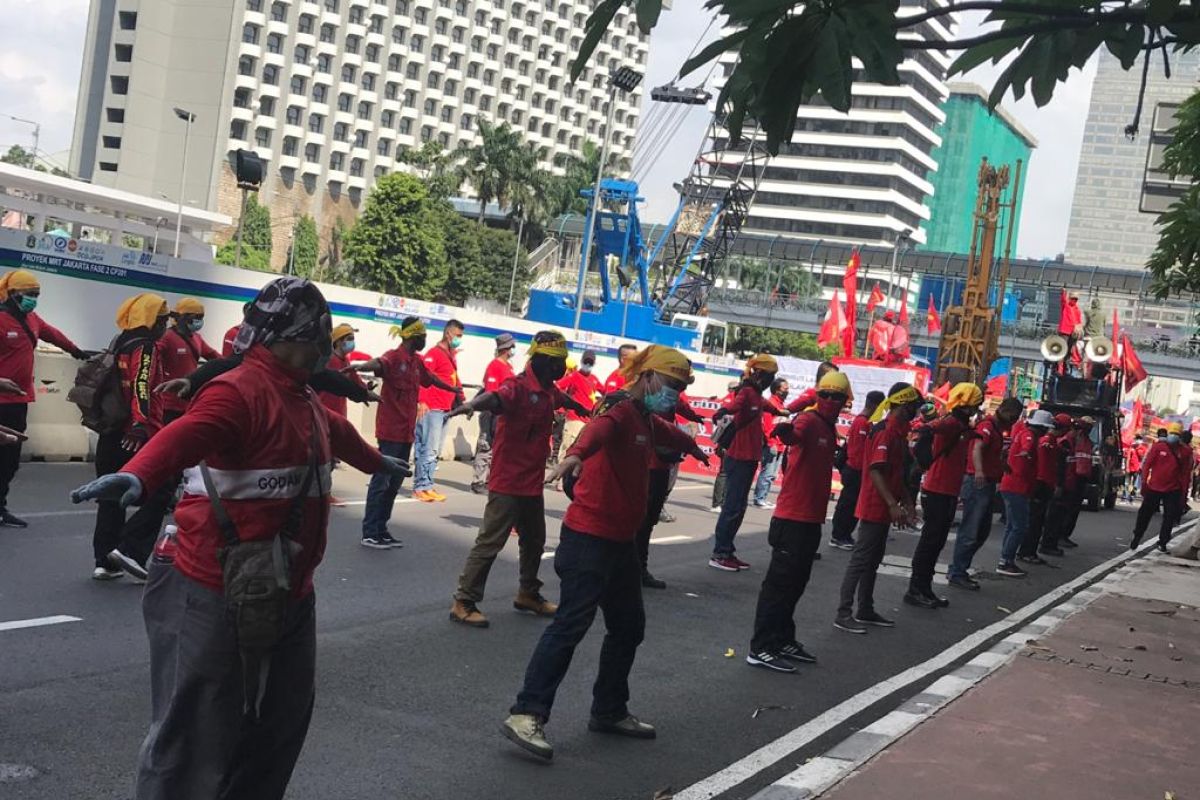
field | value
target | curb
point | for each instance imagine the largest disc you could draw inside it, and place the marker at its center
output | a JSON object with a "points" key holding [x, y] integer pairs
{"points": [[823, 772]]}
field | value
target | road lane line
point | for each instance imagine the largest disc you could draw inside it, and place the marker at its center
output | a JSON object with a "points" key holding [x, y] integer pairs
{"points": [[70, 513], [669, 539], [18, 624]]}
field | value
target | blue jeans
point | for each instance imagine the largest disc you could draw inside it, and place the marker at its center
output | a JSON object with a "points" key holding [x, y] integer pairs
{"points": [[381, 493], [593, 574], [766, 475], [1016, 510], [975, 527], [739, 475], [430, 428]]}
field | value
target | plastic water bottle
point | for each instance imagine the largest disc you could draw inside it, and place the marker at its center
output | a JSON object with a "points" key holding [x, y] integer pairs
{"points": [[164, 548]]}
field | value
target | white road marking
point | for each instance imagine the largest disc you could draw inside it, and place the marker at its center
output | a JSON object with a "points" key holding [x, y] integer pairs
{"points": [[71, 513], [669, 539], [772, 753], [18, 624]]}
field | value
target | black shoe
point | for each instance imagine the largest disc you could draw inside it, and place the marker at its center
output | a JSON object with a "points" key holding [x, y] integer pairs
{"points": [[765, 659], [1067, 543], [941, 601], [8, 520], [871, 618], [479, 488], [794, 651], [1010, 570], [849, 625], [1031, 559], [965, 583], [651, 582], [842, 544], [913, 598], [375, 542], [630, 726], [1052, 551], [1162, 548], [390, 541]]}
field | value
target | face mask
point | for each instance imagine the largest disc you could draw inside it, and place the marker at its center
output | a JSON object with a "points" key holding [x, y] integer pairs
{"points": [[456, 342], [829, 407], [347, 345], [662, 401], [197, 324], [1172, 438], [27, 303], [418, 343], [586, 369], [547, 369]]}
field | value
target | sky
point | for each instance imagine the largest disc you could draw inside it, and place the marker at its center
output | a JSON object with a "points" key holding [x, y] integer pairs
{"points": [[41, 48]]}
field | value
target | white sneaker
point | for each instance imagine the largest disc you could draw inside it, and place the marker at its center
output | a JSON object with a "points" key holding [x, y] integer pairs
{"points": [[526, 731], [766, 504], [105, 574], [130, 566], [715, 509]]}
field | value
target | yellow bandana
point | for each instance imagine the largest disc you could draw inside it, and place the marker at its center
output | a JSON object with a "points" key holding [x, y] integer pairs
{"points": [[901, 398], [763, 361], [663, 360], [19, 280], [409, 331], [964, 394], [553, 347]]}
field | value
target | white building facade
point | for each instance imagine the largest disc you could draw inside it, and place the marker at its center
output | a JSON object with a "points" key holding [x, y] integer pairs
{"points": [[327, 92]]}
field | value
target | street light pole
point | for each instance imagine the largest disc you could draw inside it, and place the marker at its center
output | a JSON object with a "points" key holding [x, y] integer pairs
{"points": [[512, 283], [188, 118], [900, 237], [37, 133]]}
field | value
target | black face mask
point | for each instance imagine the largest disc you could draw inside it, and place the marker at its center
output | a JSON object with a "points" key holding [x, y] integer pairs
{"points": [[547, 369], [762, 381], [418, 343], [963, 414]]}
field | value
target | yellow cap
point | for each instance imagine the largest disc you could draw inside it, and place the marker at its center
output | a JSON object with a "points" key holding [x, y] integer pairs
{"points": [[763, 361], [342, 331], [835, 381], [141, 311], [189, 305], [19, 280], [1175, 427]]}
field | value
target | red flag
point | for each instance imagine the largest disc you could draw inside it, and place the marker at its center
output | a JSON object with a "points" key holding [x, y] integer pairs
{"points": [[875, 299], [997, 386], [1135, 373], [933, 322], [850, 284], [898, 348], [834, 324], [904, 309], [1115, 359], [880, 337], [942, 392], [1133, 425]]}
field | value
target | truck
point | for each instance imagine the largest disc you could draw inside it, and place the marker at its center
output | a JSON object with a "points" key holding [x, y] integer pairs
{"points": [[1096, 398]]}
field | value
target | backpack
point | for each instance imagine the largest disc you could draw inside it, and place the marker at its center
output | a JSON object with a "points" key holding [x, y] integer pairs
{"points": [[922, 448], [97, 392], [723, 432]]}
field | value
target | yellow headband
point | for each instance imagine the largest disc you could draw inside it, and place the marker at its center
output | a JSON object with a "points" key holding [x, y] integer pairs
{"points": [[663, 360], [553, 347], [141, 311], [763, 361], [964, 394], [408, 331], [901, 398], [19, 280]]}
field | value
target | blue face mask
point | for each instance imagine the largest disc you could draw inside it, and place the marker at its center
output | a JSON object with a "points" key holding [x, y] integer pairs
{"points": [[456, 342], [347, 345], [197, 324], [27, 303], [1172, 438], [662, 401]]}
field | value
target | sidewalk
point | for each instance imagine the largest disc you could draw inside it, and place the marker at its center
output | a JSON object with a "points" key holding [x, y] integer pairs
{"points": [[1104, 706]]}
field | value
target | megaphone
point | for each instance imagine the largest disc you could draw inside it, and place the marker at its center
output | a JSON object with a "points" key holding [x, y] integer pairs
{"points": [[1054, 348], [1099, 349]]}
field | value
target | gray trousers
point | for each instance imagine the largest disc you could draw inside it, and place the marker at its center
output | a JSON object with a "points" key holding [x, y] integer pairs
{"points": [[201, 746]]}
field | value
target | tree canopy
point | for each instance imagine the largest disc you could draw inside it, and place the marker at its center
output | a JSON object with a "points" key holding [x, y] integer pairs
{"points": [[747, 339]]}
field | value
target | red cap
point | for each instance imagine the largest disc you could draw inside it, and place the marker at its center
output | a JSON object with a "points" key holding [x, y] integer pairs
{"points": [[1062, 420]]}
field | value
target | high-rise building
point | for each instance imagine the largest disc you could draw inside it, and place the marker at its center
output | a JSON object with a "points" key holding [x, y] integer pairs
{"points": [[329, 93], [861, 177], [970, 133], [1107, 227]]}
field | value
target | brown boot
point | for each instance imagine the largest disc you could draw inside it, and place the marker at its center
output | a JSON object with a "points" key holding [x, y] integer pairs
{"points": [[533, 603], [464, 611]]}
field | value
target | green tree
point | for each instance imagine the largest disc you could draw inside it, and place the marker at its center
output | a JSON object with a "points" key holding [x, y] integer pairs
{"points": [[19, 156], [398, 244], [492, 164], [252, 258], [747, 339], [304, 247], [256, 239], [579, 173], [1175, 262], [467, 275], [438, 167]]}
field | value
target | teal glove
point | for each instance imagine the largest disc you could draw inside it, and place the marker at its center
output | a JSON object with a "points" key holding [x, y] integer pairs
{"points": [[121, 486]]}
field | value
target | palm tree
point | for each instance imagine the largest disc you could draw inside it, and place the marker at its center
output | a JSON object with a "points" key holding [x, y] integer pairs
{"points": [[435, 165], [491, 164], [579, 172]]}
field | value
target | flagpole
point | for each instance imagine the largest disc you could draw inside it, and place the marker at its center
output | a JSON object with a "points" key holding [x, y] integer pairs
{"points": [[870, 327]]}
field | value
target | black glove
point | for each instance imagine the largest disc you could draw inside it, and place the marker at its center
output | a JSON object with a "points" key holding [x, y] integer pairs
{"points": [[397, 467]]}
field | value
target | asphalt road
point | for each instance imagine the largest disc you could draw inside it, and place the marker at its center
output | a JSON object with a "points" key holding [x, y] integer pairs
{"points": [[409, 704]]}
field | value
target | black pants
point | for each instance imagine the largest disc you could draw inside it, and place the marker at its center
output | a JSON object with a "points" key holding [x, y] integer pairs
{"points": [[1039, 506], [844, 520], [135, 537], [793, 545], [865, 559], [660, 487], [15, 416], [201, 746], [718, 495], [1171, 504], [939, 516], [594, 573], [1063, 514]]}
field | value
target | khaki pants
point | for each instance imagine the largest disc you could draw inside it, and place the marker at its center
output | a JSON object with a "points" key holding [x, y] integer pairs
{"points": [[571, 432], [502, 513]]}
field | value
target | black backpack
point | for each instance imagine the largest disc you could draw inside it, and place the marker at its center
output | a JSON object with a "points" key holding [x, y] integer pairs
{"points": [[97, 392]]}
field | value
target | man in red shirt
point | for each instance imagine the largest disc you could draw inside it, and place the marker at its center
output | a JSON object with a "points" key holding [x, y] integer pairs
{"points": [[1051, 457], [985, 468], [1074, 478], [795, 532], [403, 373], [497, 372], [773, 449], [596, 559], [230, 720], [616, 379], [231, 335], [524, 408], [940, 489], [20, 331], [883, 501], [584, 388], [339, 362], [741, 458], [1017, 487], [841, 533], [441, 360], [180, 349], [1161, 484]]}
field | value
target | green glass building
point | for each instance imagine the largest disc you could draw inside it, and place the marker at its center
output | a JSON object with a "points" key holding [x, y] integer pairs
{"points": [[971, 132]]}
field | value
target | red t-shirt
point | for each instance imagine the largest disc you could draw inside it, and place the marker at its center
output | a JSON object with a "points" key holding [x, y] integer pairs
{"points": [[583, 389], [770, 420], [178, 357], [497, 372], [885, 450], [1049, 459], [521, 443], [230, 338], [988, 436], [951, 438], [612, 491], [403, 374], [1161, 468], [1133, 460], [16, 351], [335, 402], [748, 441], [441, 363], [615, 382], [803, 401], [856, 441], [805, 493], [1079, 460], [1022, 463]]}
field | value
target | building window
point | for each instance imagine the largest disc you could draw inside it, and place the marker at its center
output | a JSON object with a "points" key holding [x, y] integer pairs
{"points": [[376, 24], [241, 98], [254, 5], [364, 110], [465, 122], [399, 34], [245, 65], [290, 145], [327, 33], [348, 73], [274, 43], [353, 43], [123, 53], [298, 84], [302, 54], [271, 75], [312, 153], [413, 71], [341, 132], [402, 7], [120, 84], [127, 20], [356, 167], [437, 53], [431, 107], [469, 96], [447, 114], [262, 137], [371, 54], [279, 12], [394, 62], [356, 15], [472, 70], [115, 114], [391, 90], [410, 98], [250, 34], [485, 103], [316, 123], [433, 80], [387, 119], [266, 106], [331, 5], [336, 161], [421, 16], [108, 166], [368, 81], [344, 102], [112, 142], [306, 23], [324, 63], [360, 138], [417, 43], [237, 130], [384, 147], [405, 126], [293, 115], [450, 87], [320, 92], [426, 133]]}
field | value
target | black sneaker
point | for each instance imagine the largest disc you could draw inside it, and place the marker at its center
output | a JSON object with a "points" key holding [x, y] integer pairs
{"points": [[8, 520], [849, 625], [936, 598], [919, 600], [390, 541], [842, 544], [1010, 570], [765, 659], [479, 488], [872, 618], [817, 556], [1031, 559], [375, 542], [1052, 551], [1067, 543], [666, 516], [795, 651], [1162, 548], [964, 582], [651, 582]]}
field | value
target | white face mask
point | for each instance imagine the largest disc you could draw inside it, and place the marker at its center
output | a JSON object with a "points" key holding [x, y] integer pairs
{"points": [[586, 369]]}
